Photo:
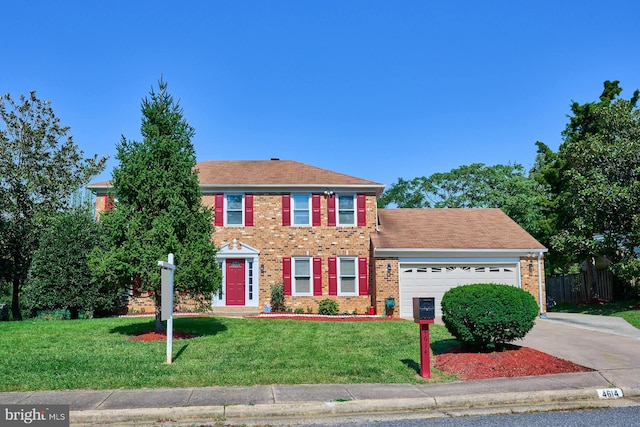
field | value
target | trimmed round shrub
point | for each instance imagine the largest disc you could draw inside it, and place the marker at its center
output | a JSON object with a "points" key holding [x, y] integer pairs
{"points": [[484, 316], [328, 307]]}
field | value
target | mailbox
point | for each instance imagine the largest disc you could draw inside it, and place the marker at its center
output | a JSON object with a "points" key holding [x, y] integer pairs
{"points": [[424, 309]]}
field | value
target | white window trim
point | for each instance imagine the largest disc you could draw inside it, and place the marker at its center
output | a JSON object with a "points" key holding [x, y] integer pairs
{"points": [[294, 291], [356, 277], [293, 210], [226, 210], [355, 210]]}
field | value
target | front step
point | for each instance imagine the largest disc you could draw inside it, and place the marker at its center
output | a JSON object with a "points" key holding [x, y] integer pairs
{"points": [[235, 311]]}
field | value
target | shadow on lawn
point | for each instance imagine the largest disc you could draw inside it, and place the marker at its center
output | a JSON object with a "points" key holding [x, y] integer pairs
{"points": [[444, 346], [198, 326], [437, 347]]}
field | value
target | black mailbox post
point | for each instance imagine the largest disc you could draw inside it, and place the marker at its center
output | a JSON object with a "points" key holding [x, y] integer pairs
{"points": [[424, 309]]}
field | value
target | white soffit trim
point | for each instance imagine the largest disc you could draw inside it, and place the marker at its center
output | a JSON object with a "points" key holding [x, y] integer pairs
{"points": [[283, 188], [460, 260], [453, 253]]}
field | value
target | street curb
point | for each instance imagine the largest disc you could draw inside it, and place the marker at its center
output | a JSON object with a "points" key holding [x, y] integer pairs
{"points": [[353, 407]]}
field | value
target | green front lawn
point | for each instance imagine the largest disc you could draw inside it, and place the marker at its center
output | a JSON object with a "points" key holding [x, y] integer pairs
{"points": [[98, 353], [624, 309]]}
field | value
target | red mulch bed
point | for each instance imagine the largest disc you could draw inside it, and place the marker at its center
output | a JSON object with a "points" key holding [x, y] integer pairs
{"points": [[161, 336], [512, 361], [319, 318]]}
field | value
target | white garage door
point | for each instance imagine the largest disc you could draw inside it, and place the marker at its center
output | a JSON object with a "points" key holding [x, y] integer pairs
{"points": [[434, 280]]}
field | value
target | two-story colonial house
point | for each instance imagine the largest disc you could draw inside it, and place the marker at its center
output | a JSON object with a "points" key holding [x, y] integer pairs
{"points": [[321, 234]]}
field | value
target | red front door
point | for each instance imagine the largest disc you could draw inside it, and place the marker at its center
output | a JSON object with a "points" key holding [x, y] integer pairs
{"points": [[235, 282]]}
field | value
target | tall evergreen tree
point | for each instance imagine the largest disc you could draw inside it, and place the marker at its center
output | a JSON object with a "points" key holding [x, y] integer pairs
{"points": [[40, 166], [158, 209]]}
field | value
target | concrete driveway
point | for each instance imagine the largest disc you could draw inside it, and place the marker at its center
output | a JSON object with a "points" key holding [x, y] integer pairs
{"points": [[607, 344]]}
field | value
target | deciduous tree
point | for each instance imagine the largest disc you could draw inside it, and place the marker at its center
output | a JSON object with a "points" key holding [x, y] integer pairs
{"points": [[599, 166], [40, 166]]}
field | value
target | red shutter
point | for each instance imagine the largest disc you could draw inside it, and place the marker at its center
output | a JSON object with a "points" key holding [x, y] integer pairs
{"points": [[362, 209], [219, 210], [286, 210], [331, 211], [317, 276], [315, 210], [333, 276], [286, 275], [248, 210], [108, 202], [363, 277]]}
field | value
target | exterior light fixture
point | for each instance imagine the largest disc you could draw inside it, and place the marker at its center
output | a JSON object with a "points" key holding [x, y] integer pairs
{"points": [[388, 268], [262, 268]]}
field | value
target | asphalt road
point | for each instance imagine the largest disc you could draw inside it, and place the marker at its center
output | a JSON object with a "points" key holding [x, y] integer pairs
{"points": [[623, 417]]}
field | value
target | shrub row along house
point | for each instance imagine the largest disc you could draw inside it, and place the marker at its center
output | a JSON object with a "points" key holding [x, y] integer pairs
{"points": [[321, 234]]}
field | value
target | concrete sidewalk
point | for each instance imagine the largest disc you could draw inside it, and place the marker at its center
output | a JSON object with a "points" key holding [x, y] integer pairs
{"points": [[606, 345]]}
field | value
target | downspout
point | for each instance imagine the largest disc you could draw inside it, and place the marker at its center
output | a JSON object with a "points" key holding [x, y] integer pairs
{"points": [[543, 315]]}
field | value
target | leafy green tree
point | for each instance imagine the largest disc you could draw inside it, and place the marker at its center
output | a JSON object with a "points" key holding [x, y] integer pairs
{"points": [[474, 186], [158, 209], [549, 173], [599, 165], [40, 167], [60, 277]]}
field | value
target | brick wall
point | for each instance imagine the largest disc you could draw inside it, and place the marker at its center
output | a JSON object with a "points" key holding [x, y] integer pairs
{"points": [[386, 285], [275, 241], [529, 279]]}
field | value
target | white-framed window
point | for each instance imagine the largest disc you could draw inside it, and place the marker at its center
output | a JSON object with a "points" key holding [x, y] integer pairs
{"points": [[301, 283], [300, 209], [346, 209], [234, 210], [347, 276]]}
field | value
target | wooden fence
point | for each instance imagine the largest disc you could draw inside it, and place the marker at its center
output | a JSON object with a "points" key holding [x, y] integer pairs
{"points": [[573, 288]]}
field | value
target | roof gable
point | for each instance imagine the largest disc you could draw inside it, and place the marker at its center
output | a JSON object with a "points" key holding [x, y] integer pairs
{"points": [[271, 172], [449, 228]]}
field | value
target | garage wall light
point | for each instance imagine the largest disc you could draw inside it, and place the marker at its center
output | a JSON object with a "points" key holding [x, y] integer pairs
{"points": [[388, 268], [262, 268]]}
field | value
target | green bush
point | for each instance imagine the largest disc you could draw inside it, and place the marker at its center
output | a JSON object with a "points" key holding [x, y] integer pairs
{"points": [[484, 316], [299, 310], [277, 297], [328, 307]]}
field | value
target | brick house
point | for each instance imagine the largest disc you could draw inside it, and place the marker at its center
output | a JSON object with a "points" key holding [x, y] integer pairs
{"points": [[321, 234]]}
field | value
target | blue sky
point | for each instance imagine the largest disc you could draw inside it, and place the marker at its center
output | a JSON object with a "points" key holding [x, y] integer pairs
{"points": [[375, 89]]}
